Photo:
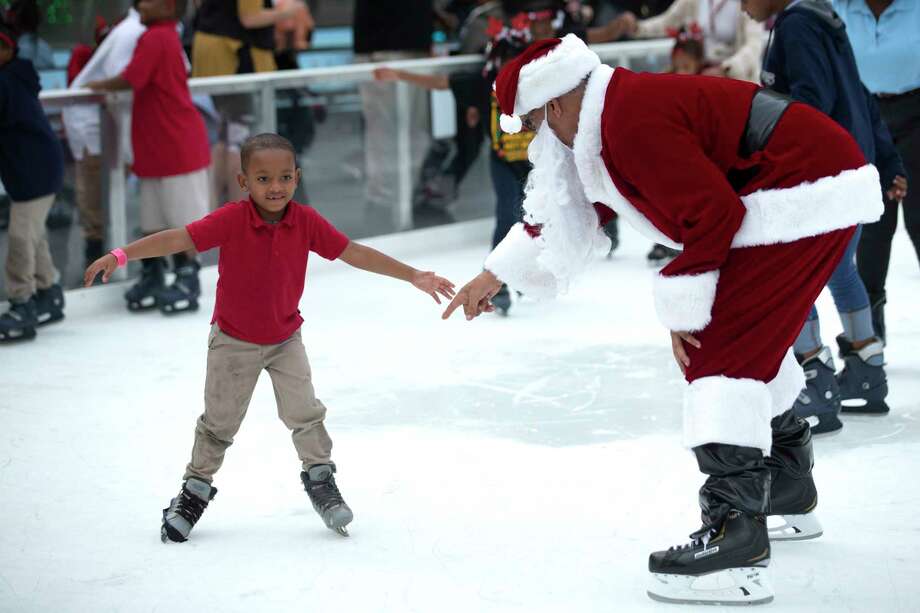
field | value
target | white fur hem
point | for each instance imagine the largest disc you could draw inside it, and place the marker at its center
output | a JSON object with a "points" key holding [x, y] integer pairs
{"points": [[728, 411], [554, 74], [514, 261], [787, 384], [684, 302]]}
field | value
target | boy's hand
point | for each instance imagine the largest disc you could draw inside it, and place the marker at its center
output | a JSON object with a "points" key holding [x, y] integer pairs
{"points": [[106, 265], [898, 189], [433, 285], [475, 296], [677, 346]]}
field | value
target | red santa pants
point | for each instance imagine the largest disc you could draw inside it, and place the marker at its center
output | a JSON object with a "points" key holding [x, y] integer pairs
{"points": [[744, 372]]}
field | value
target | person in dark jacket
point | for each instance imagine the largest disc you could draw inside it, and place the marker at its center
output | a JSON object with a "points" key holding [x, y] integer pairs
{"points": [[810, 59], [32, 170]]}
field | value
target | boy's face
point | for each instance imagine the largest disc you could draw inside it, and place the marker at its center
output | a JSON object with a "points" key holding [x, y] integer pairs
{"points": [[761, 10], [156, 10], [271, 177], [684, 63]]}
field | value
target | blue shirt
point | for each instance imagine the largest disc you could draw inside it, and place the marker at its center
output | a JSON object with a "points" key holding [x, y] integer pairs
{"points": [[888, 50]]}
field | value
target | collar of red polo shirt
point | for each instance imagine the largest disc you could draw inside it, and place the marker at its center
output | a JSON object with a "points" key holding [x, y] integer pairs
{"points": [[256, 220]]}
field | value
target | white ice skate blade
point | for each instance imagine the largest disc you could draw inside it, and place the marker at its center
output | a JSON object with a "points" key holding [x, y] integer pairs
{"points": [[794, 527], [733, 586]]}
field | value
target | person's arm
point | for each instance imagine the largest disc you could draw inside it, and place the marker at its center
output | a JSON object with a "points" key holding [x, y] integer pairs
{"points": [[678, 14], [115, 84], [162, 243], [253, 18], [887, 158], [744, 63], [428, 81], [371, 260], [808, 68], [613, 30]]}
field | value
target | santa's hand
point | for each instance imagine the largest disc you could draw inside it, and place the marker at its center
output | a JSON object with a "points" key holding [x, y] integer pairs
{"points": [[475, 296], [677, 346]]}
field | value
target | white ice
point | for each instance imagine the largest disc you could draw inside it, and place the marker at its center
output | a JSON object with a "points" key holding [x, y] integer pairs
{"points": [[521, 464]]}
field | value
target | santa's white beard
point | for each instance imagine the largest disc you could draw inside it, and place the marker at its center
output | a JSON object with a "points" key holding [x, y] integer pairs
{"points": [[554, 199]]}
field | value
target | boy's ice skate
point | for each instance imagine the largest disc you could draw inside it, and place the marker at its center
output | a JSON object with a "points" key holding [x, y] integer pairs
{"points": [[728, 567], [185, 510], [819, 402], [326, 498], [143, 294], [863, 381], [502, 300], [49, 305], [18, 324], [182, 295]]}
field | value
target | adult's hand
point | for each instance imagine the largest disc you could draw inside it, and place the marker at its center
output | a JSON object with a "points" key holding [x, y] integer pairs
{"points": [[898, 190], [680, 353], [475, 296]]}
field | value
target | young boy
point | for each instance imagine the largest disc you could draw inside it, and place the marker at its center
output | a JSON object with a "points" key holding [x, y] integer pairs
{"points": [[171, 152], [256, 324], [32, 169], [810, 59]]}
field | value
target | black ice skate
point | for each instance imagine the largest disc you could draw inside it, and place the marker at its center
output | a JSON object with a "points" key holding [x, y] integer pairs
{"points": [[793, 495], [863, 383], [183, 294], [185, 510], [319, 483], [661, 255], [143, 295], [502, 300], [612, 230], [18, 324], [49, 305], [724, 567], [819, 402]]}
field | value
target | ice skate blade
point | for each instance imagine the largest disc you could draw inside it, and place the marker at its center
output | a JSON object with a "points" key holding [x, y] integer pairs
{"points": [[181, 306], [341, 530], [871, 409], [795, 528], [733, 586]]}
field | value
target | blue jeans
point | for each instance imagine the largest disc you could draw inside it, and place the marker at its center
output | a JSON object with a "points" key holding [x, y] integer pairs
{"points": [[508, 182]]}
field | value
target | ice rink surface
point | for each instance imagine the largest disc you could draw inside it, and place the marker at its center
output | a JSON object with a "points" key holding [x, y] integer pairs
{"points": [[521, 464]]}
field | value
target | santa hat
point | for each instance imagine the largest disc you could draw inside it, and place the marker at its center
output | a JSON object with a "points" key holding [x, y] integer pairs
{"points": [[545, 70]]}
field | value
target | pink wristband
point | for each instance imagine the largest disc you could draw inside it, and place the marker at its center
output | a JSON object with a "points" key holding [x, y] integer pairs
{"points": [[119, 256]]}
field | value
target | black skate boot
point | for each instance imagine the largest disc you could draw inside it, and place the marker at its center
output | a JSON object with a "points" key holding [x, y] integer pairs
{"points": [[93, 249], [49, 305], [661, 255], [183, 294], [863, 383], [726, 560], [326, 498], [793, 495], [612, 230], [143, 295], [185, 510], [18, 324], [502, 300], [877, 304], [819, 402]]}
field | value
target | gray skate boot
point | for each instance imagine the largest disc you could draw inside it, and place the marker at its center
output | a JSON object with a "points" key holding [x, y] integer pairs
{"points": [[819, 402], [185, 510], [326, 498], [863, 378]]}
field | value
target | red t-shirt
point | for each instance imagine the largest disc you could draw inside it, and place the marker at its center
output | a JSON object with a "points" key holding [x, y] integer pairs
{"points": [[263, 266], [167, 132]]}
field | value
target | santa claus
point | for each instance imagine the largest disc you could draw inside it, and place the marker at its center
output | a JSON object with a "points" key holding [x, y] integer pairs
{"points": [[762, 196]]}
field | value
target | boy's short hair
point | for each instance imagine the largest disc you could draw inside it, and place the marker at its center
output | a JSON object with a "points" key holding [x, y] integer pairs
{"points": [[260, 142]]}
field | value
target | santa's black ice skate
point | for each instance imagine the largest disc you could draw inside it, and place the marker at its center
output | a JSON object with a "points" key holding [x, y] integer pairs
{"points": [[727, 566], [319, 482], [185, 510], [793, 495], [863, 383]]}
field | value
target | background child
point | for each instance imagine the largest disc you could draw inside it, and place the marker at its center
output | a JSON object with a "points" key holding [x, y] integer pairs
{"points": [[171, 152], [32, 170], [256, 324]]}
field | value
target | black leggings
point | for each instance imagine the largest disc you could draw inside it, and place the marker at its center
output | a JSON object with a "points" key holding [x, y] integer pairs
{"points": [[902, 115]]}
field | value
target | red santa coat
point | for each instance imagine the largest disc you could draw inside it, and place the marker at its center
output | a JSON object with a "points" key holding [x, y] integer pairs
{"points": [[760, 235]]}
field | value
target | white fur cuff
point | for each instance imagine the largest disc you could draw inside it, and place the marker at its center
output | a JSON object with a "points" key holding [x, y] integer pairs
{"points": [[514, 261], [729, 411], [684, 302], [787, 384]]}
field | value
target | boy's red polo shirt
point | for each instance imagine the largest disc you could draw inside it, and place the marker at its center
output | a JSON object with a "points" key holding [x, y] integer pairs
{"points": [[167, 132], [263, 266]]}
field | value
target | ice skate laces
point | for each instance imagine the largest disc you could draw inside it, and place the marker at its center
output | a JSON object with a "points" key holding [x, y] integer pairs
{"points": [[189, 506], [695, 541], [325, 494]]}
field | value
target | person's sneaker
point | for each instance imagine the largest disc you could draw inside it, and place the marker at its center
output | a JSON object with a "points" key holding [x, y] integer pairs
{"points": [[319, 483], [819, 402], [49, 305], [18, 324], [863, 383], [185, 510]]}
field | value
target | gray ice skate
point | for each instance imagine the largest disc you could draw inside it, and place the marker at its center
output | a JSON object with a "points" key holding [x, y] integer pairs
{"points": [[319, 483], [185, 510], [819, 402], [863, 383]]}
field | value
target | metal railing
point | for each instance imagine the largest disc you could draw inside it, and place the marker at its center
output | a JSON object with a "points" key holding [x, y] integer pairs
{"points": [[114, 113]]}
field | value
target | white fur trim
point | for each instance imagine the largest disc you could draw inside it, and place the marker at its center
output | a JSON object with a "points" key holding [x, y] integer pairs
{"points": [[785, 387], [554, 74], [510, 124], [684, 302], [729, 411], [514, 261], [830, 203]]}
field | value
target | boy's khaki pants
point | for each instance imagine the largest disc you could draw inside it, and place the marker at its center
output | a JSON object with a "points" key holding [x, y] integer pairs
{"points": [[234, 367], [28, 263]]}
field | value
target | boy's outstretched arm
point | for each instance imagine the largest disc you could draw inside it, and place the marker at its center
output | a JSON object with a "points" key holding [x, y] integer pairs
{"points": [[155, 245], [365, 258]]}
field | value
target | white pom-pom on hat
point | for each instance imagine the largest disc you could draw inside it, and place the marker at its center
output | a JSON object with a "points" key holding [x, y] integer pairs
{"points": [[510, 124]]}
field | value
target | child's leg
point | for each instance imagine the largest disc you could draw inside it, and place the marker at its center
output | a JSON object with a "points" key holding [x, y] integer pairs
{"points": [[28, 257], [233, 369], [298, 406]]}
